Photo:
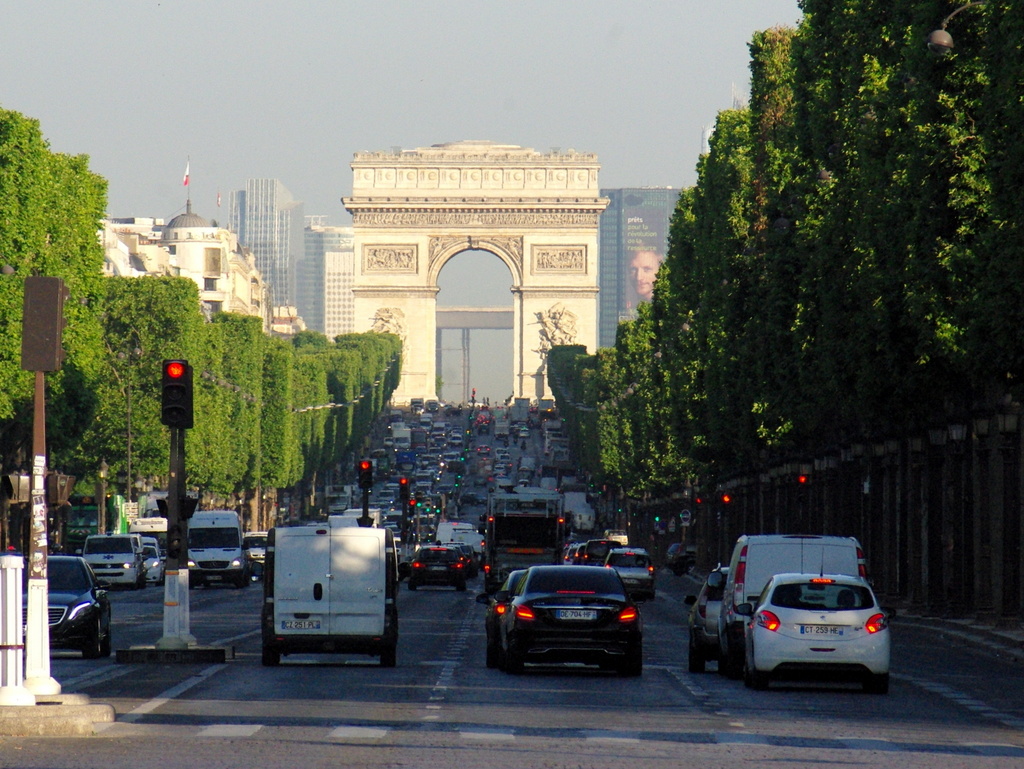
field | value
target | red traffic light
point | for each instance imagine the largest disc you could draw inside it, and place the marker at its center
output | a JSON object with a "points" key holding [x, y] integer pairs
{"points": [[403, 481], [174, 369], [365, 465], [726, 498], [801, 479]]}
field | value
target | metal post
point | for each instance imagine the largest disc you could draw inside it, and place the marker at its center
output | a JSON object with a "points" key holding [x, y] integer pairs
{"points": [[12, 649], [177, 634], [37, 623]]}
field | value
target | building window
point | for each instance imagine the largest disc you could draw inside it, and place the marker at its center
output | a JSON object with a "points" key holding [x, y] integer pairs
{"points": [[209, 284], [213, 261]]}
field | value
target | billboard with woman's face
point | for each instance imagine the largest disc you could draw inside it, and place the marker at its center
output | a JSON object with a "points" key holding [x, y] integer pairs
{"points": [[644, 232]]}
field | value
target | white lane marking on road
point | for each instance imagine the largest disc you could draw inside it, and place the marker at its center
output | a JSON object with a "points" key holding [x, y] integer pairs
{"points": [[229, 730], [620, 737], [359, 733], [164, 697]]}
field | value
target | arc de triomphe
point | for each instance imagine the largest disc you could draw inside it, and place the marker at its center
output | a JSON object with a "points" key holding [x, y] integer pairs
{"points": [[413, 210]]}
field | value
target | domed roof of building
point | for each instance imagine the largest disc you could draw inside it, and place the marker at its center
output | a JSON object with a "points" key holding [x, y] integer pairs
{"points": [[187, 220]]}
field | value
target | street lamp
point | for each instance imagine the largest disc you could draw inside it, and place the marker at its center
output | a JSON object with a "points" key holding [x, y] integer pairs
{"points": [[101, 506], [940, 41]]}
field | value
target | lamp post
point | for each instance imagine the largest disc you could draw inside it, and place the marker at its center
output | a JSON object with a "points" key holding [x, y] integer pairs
{"points": [[940, 41], [101, 503]]}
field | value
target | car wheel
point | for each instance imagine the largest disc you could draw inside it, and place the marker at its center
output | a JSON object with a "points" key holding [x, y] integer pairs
{"points": [[493, 655], [877, 684], [696, 661], [107, 643], [754, 679], [731, 665], [93, 646], [412, 585], [271, 658], [461, 585], [389, 656], [633, 665], [513, 662]]}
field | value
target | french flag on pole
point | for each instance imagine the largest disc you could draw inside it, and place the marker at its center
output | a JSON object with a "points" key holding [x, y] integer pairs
{"points": [[185, 180]]}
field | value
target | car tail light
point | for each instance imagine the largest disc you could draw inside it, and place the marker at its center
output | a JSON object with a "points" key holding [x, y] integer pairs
{"points": [[650, 570], [487, 568], [768, 620], [629, 614], [862, 568], [739, 578], [417, 565], [500, 608], [458, 564], [876, 622], [525, 612]]}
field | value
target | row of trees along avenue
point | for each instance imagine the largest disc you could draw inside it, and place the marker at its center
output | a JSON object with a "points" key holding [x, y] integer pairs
{"points": [[835, 341], [256, 426]]}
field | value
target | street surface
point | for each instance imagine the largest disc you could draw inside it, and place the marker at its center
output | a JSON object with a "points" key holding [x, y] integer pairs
{"points": [[950, 705]]}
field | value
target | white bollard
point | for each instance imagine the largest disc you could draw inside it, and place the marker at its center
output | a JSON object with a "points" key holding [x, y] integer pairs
{"points": [[12, 646]]}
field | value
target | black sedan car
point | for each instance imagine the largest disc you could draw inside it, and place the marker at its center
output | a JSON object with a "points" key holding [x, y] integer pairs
{"points": [[437, 565], [79, 608], [571, 614], [497, 604]]}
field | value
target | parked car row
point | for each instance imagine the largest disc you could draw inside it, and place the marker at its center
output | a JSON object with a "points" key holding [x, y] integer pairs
{"points": [[792, 607]]}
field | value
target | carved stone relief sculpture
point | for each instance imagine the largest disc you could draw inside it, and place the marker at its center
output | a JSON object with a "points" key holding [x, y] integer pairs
{"points": [[389, 258], [389, 320]]}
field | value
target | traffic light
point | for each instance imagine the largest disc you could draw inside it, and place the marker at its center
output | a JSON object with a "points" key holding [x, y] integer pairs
{"points": [[726, 499], [43, 324], [365, 470], [403, 491], [176, 403]]}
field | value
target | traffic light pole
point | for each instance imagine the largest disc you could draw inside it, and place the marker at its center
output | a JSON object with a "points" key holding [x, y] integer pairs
{"points": [[177, 634]]}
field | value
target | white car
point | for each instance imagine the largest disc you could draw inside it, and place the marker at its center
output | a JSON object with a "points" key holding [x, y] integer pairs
{"points": [[817, 625], [636, 569], [154, 564]]}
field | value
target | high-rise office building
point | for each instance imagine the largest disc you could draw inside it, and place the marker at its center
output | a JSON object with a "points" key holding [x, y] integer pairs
{"points": [[633, 242], [339, 300], [269, 222], [318, 289]]}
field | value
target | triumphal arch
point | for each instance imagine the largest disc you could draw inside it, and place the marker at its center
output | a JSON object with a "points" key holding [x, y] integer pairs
{"points": [[413, 210]]}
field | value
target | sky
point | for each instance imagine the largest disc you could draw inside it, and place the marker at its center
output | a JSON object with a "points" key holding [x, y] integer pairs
{"points": [[241, 89]]}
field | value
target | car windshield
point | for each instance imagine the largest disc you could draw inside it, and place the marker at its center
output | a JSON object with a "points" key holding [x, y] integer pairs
{"points": [[568, 579], [817, 596], [107, 545], [214, 537], [438, 555], [251, 542], [67, 577], [626, 560], [150, 552]]}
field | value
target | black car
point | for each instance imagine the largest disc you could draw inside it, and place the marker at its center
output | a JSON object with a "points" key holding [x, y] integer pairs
{"points": [[679, 559], [594, 551], [438, 565], [497, 604], [79, 608], [571, 614]]}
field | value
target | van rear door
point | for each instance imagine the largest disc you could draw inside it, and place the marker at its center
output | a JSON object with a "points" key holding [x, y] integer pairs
{"points": [[357, 583], [302, 564]]}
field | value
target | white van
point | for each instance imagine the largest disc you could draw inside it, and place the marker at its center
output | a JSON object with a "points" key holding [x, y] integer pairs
{"points": [[215, 553], [756, 558], [330, 589], [460, 532], [116, 559]]}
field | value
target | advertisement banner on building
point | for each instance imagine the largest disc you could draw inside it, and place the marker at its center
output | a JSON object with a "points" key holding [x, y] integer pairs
{"points": [[645, 228]]}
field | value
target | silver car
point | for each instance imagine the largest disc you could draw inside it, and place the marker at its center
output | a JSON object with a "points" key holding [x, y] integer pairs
{"points": [[154, 565], [703, 620], [636, 569]]}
